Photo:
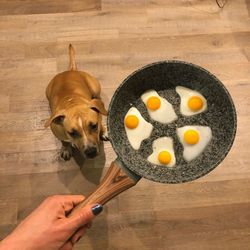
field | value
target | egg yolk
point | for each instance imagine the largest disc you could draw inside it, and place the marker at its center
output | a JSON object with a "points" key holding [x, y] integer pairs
{"points": [[195, 103], [164, 157], [153, 103], [191, 137], [131, 121]]}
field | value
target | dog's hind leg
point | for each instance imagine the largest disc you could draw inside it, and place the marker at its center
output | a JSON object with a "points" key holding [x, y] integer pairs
{"points": [[92, 83]]}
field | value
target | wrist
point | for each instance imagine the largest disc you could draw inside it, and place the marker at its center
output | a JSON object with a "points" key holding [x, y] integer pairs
{"points": [[7, 243], [13, 243]]}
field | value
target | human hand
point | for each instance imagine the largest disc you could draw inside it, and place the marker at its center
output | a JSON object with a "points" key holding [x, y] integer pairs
{"points": [[49, 228]]}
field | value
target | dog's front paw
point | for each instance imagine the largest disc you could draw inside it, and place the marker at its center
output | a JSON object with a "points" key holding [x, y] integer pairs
{"points": [[66, 153], [104, 137]]}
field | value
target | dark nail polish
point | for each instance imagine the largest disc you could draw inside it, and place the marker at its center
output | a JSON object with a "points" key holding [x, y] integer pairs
{"points": [[97, 209]]}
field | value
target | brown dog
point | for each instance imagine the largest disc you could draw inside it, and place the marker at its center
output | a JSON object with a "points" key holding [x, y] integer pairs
{"points": [[76, 108]]}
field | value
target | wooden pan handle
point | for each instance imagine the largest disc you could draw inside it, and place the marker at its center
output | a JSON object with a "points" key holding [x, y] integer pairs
{"points": [[114, 182]]}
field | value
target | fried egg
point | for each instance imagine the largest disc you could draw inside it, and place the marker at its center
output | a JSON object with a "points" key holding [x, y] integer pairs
{"points": [[163, 152], [192, 102], [194, 140], [159, 109], [137, 129]]}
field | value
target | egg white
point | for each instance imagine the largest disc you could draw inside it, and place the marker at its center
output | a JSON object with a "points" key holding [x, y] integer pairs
{"points": [[190, 152], [165, 114], [141, 132], [162, 144], [185, 94]]}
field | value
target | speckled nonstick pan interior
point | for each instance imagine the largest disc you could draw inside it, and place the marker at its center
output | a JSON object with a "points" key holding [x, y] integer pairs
{"points": [[132, 164], [164, 77]]}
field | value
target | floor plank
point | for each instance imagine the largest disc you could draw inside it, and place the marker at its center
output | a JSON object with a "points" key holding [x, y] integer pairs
{"points": [[26, 7]]}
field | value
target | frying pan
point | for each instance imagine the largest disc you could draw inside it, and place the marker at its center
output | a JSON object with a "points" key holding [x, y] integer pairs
{"points": [[131, 164]]}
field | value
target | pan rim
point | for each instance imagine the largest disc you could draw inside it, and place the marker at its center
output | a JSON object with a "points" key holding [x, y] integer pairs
{"points": [[195, 176]]}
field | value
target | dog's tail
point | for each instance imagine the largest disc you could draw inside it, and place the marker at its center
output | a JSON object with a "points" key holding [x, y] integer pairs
{"points": [[72, 60]]}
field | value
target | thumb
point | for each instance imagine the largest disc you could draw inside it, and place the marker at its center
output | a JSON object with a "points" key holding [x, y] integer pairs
{"points": [[84, 216]]}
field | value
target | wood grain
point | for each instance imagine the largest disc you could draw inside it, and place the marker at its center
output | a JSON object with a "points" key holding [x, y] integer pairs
{"points": [[114, 182], [112, 39], [20, 7]]}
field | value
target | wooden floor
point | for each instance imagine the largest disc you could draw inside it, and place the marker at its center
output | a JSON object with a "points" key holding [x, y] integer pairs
{"points": [[112, 39]]}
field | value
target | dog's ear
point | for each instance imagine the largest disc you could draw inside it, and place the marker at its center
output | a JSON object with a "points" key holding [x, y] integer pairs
{"points": [[98, 106], [57, 118]]}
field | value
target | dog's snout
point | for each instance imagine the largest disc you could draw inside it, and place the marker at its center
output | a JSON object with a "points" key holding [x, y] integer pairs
{"points": [[91, 152]]}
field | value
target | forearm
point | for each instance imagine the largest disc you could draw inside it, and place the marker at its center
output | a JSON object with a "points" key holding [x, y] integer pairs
{"points": [[7, 243], [13, 243]]}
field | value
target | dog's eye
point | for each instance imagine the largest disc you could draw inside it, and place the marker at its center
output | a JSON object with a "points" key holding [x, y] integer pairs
{"points": [[74, 133], [93, 126]]}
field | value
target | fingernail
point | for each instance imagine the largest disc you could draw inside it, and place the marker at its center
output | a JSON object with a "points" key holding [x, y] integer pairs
{"points": [[97, 209], [78, 238]]}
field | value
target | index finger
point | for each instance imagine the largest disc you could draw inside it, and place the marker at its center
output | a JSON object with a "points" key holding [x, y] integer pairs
{"points": [[70, 201]]}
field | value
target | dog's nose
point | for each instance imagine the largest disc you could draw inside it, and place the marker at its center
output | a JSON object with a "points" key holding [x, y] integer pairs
{"points": [[91, 152]]}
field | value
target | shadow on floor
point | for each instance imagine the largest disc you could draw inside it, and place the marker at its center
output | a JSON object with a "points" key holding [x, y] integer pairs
{"points": [[85, 165]]}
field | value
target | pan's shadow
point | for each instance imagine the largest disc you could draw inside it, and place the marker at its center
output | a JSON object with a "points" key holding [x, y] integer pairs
{"points": [[85, 165], [85, 182]]}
